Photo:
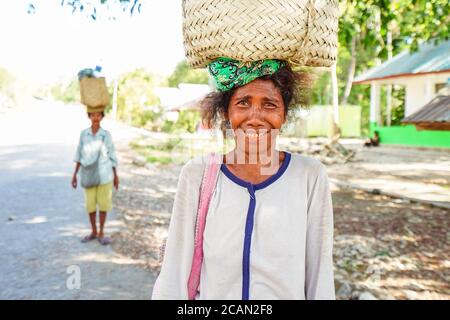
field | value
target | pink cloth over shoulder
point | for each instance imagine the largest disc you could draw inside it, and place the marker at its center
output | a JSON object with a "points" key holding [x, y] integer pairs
{"points": [[207, 189]]}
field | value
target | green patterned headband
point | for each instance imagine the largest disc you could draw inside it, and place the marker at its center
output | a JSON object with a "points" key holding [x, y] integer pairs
{"points": [[229, 73]]}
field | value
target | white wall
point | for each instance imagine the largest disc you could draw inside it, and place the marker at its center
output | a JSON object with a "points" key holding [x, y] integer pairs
{"points": [[419, 90]]}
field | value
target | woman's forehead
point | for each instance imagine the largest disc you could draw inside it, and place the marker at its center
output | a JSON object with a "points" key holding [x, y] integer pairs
{"points": [[260, 88]]}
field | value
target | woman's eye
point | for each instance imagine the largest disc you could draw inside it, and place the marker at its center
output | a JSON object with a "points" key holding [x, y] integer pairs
{"points": [[242, 102], [270, 105]]}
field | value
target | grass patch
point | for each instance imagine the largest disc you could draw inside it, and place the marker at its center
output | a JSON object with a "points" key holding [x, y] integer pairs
{"points": [[172, 148], [159, 160]]}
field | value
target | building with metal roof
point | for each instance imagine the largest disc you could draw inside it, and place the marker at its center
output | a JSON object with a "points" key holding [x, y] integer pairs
{"points": [[429, 59], [435, 115], [422, 73]]}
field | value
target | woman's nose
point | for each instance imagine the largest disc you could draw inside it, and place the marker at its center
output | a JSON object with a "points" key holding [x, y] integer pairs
{"points": [[255, 113]]}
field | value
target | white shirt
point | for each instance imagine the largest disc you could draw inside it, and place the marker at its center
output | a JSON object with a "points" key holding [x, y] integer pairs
{"points": [[291, 241], [90, 146]]}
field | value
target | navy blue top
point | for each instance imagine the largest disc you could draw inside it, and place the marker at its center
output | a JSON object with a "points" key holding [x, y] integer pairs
{"points": [[251, 188]]}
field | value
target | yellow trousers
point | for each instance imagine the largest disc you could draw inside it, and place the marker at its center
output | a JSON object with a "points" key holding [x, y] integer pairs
{"points": [[100, 195]]}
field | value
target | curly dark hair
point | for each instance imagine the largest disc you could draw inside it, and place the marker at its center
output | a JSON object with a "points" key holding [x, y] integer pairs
{"points": [[293, 86]]}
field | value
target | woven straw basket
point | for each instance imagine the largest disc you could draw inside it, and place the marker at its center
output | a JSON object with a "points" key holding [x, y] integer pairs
{"points": [[302, 32], [94, 92]]}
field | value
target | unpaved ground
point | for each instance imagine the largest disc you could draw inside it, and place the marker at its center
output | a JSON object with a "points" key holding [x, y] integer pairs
{"points": [[391, 248], [384, 247], [409, 172]]}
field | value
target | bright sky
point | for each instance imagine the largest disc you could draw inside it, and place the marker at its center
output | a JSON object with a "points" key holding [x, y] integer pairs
{"points": [[53, 43]]}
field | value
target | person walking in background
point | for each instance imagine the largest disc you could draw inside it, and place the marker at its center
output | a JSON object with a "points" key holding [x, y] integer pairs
{"points": [[96, 157]]}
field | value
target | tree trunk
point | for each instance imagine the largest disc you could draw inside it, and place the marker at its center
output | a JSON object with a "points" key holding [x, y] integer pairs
{"points": [[335, 91], [389, 86], [350, 72]]}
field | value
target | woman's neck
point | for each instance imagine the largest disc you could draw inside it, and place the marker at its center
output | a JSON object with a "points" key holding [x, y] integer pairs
{"points": [[95, 128], [254, 168]]}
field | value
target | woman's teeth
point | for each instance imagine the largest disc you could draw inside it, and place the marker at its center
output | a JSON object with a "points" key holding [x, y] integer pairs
{"points": [[254, 134]]}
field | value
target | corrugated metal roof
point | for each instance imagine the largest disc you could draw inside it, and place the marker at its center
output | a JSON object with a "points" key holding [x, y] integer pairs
{"points": [[429, 58], [437, 110]]}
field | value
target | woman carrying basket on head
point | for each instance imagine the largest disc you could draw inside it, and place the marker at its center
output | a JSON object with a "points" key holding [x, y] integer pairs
{"points": [[257, 222], [96, 157]]}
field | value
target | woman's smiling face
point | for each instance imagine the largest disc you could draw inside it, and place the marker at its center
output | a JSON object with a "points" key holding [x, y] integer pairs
{"points": [[256, 113]]}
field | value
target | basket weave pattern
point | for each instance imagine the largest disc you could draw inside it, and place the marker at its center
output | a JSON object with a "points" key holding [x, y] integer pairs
{"points": [[302, 32], [94, 92]]}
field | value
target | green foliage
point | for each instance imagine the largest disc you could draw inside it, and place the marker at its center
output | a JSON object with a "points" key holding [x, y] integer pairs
{"points": [[160, 151], [321, 90], [67, 92], [368, 23], [188, 121], [136, 101], [397, 105], [7, 81], [183, 73], [423, 20]]}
